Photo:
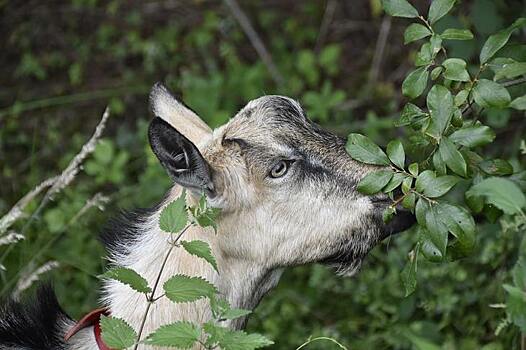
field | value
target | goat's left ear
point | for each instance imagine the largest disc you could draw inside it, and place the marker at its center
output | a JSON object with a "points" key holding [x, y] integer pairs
{"points": [[179, 156]]}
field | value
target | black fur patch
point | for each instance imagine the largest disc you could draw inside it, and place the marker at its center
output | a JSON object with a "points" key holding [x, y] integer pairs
{"points": [[35, 324], [121, 231]]}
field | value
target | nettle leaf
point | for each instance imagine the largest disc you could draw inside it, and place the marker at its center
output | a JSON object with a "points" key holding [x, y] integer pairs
{"points": [[502, 193], [200, 249], [232, 314], [452, 157], [408, 274], [181, 288], [174, 216], [374, 182], [438, 9], [440, 105], [116, 333], [364, 150], [519, 103], [456, 34], [432, 186], [399, 8], [455, 69], [129, 277], [204, 215], [496, 41], [415, 31], [395, 152], [239, 340], [415, 83], [489, 94], [496, 167], [511, 70], [180, 334], [473, 136], [409, 114]]}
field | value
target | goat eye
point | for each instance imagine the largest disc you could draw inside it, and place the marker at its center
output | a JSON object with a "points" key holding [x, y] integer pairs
{"points": [[279, 169]]}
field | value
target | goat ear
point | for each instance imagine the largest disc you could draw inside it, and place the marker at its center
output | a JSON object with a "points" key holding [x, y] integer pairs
{"points": [[165, 106], [179, 156]]}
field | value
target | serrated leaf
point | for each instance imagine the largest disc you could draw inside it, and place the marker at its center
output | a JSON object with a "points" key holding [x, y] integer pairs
{"points": [[432, 186], [473, 136], [180, 334], [364, 150], [456, 69], [239, 340], [232, 314], [181, 288], [129, 277], [174, 216], [519, 103], [374, 182], [204, 215], [496, 41], [200, 249], [452, 157], [415, 83], [490, 94], [502, 193], [116, 333], [415, 31], [399, 8], [438, 9], [457, 34], [440, 105], [409, 114]]}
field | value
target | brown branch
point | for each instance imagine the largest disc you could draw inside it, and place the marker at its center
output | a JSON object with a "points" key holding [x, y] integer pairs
{"points": [[385, 28], [255, 40], [330, 9]]}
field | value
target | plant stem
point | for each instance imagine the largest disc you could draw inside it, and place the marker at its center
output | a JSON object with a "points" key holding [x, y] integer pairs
{"points": [[151, 298], [321, 338]]}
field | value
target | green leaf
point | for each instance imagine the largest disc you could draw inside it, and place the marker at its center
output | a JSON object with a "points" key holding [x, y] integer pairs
{"points": [[489, 94], [496, 167], [436, 44], [395, 181], [425, 55], [129, 277], [438, 9], [435, 73], [473, 136], [511, 70], [395, 152], [116, 333], [409, 114], [519, 103], [455, 69], [440, 104], [457, 34], [200, 249], [406, 185], [180, 334], [415, 83], [408, 274], [204, 215], [174, 216], [432, 186], [415, 32], [420, 211], [232, 314], [461, 97], [439, 164], [181, 288], [364, 150], [461, 224], [436, 233], [502, 193], [413, 169], [409, 201], [239, 340], [452, 157], [399, 8], [496, 41], [374, 182], [516, 306]]}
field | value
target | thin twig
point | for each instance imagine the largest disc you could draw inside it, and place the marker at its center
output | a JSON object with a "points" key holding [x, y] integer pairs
{"points": [[379, 50], [514, 82], [255, 40], [328, 15], [151, 299]]}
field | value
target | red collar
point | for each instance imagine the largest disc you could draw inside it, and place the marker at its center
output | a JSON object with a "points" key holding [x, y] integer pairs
{"points": [[91, 319]]}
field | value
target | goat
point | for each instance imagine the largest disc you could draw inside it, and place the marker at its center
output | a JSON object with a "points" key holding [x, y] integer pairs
{"points": [[287, 193]]}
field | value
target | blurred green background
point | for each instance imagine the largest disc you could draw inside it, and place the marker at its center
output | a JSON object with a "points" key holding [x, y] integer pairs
{"points": [[62, 62]]}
